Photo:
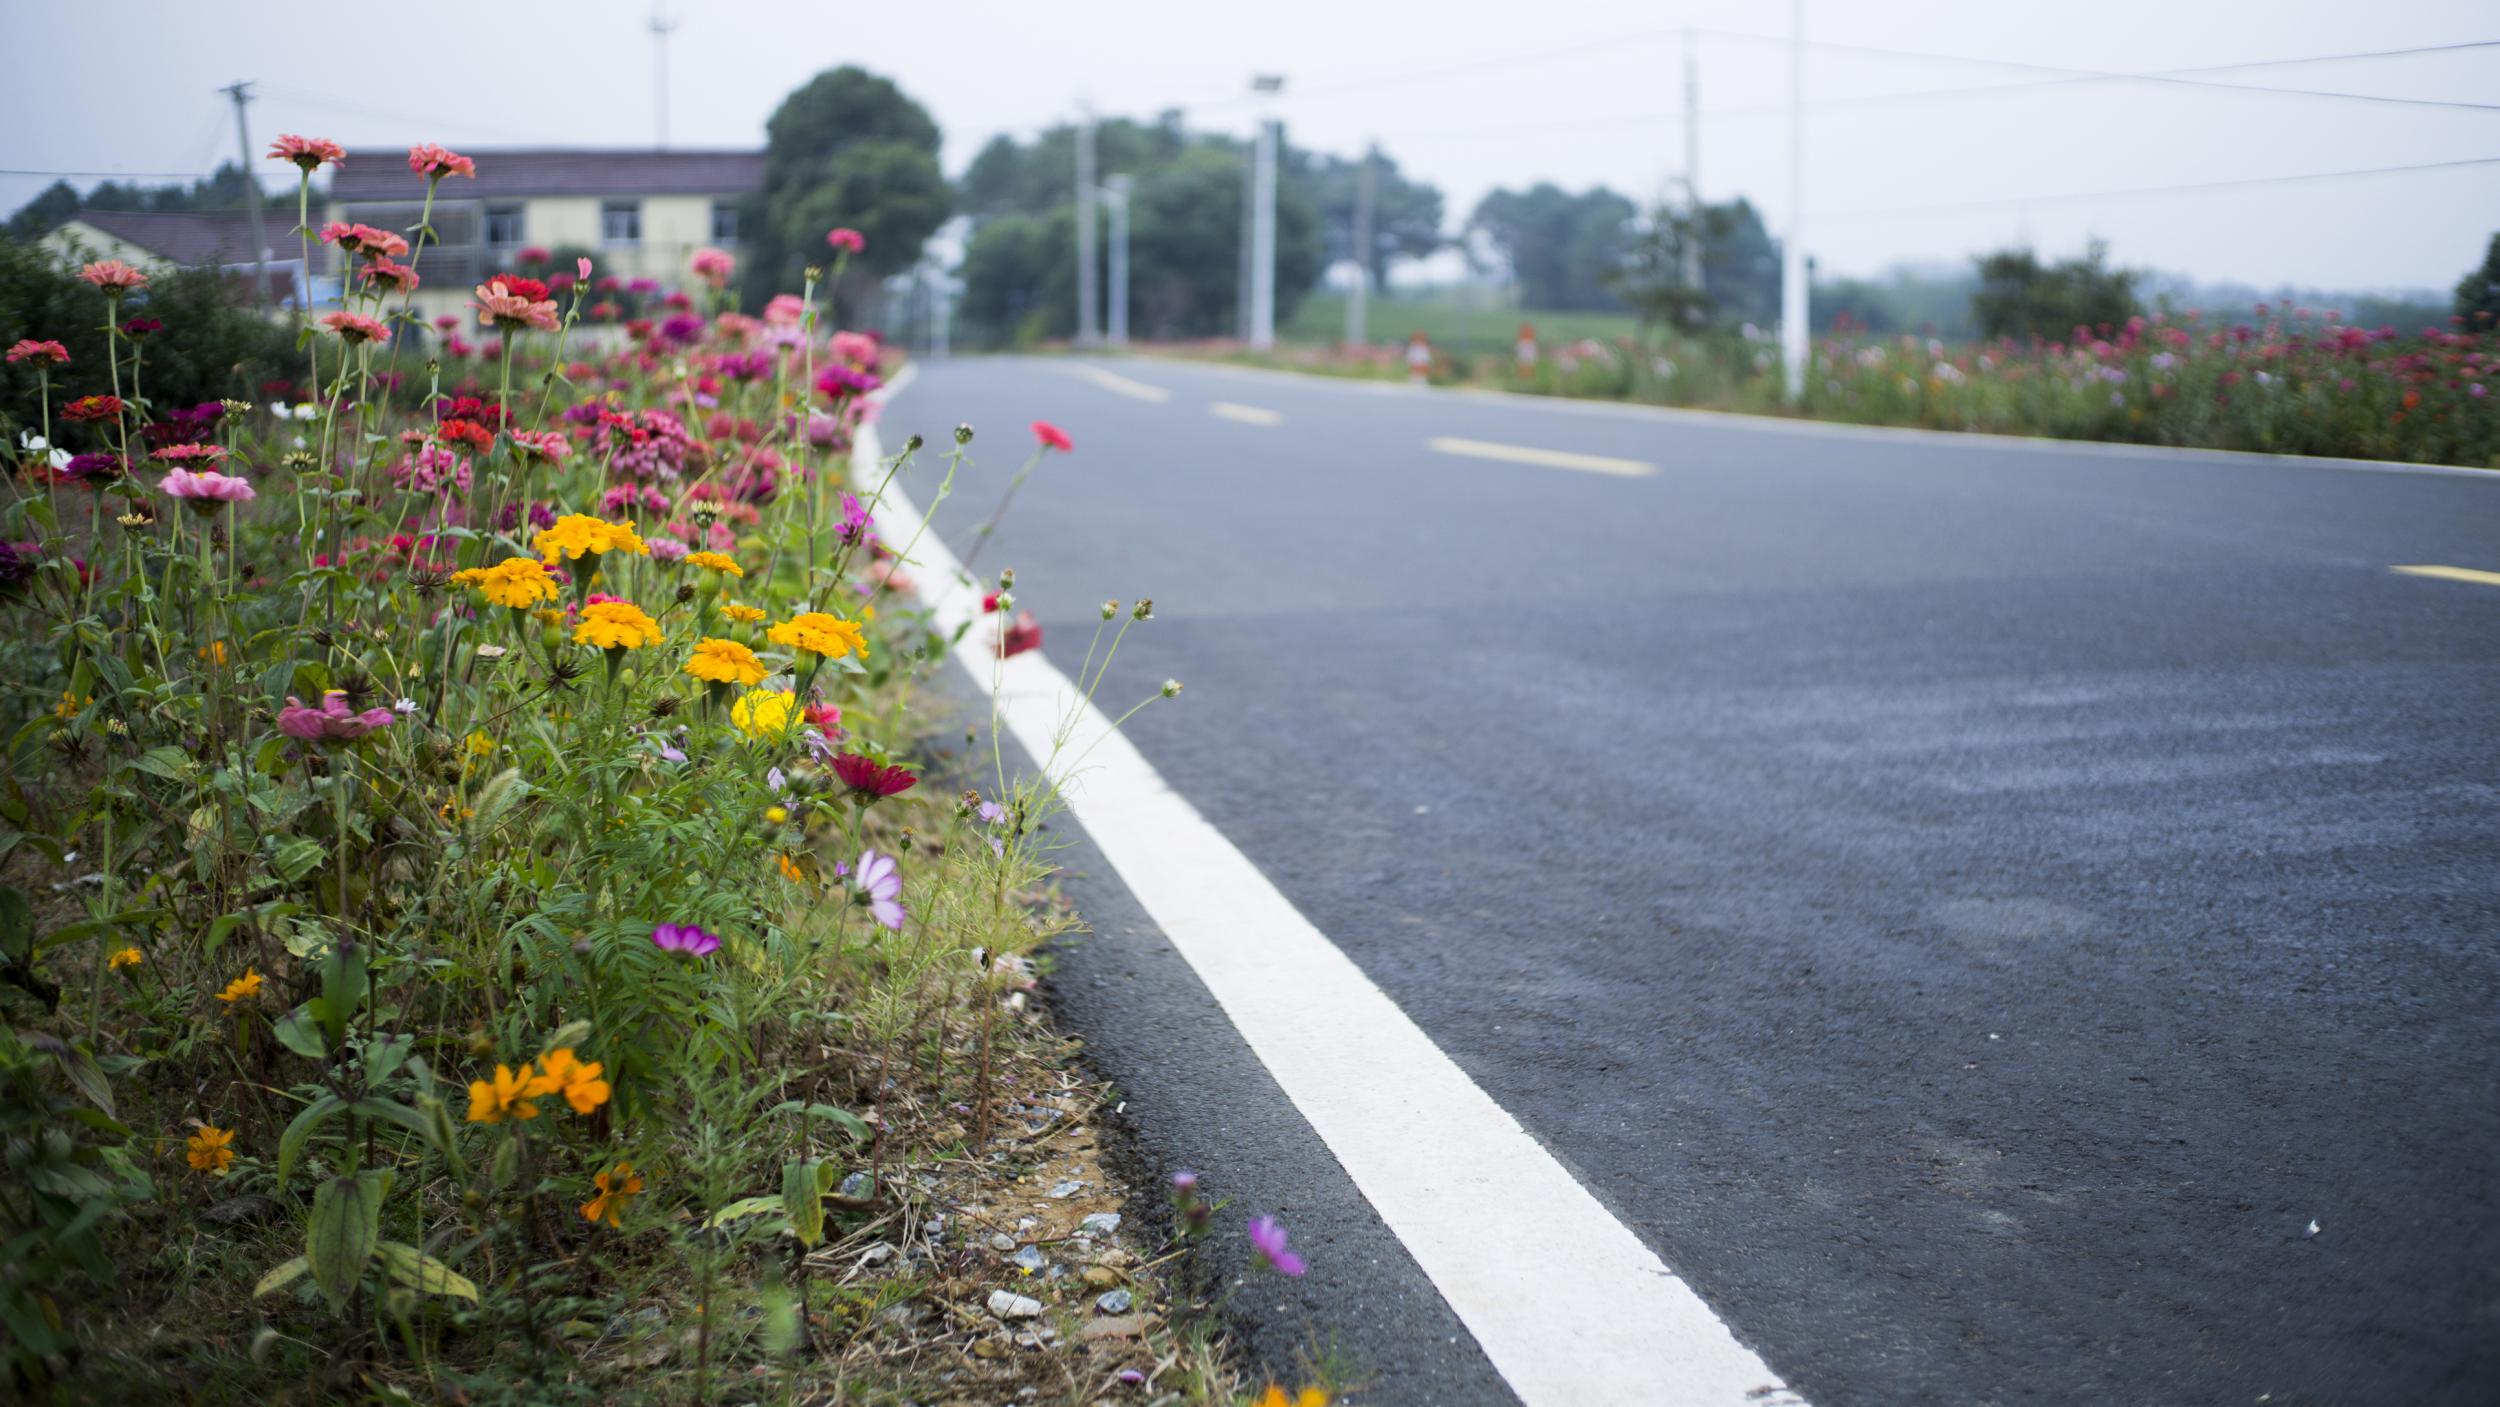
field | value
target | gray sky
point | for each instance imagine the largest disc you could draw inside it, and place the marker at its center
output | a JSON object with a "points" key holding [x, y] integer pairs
{"points": [[1469, 94]]}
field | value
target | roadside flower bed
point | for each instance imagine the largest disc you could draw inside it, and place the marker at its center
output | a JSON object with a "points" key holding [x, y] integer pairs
{"points": [[2277, 380], [480, 911]]}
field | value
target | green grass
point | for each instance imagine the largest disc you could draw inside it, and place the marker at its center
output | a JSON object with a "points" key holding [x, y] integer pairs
{"points": [[1456, 321]]}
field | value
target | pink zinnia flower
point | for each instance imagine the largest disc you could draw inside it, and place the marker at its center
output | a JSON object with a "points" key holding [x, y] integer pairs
{"points": [[309, 153], [499, 307], [435, 161], [396, 276], [549, 445], [1268, 1248], [191, 453], [353, 328], [44, 353], [113, 276], [849, 241], [1052, 437], [857, 348], [206, 489], [784, 309], [333, 722], [713, 266], [684, 938], [881, 883]]}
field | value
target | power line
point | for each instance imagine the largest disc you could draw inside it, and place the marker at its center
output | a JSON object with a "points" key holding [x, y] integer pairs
{"points": [[112, 175], [1999, 202]]}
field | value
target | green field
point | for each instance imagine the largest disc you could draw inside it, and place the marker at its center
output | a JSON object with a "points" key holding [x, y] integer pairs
{"points": [[1455, 321]]}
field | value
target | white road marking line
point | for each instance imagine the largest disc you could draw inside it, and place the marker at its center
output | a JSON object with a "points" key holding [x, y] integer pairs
{"points": [[1114, 382], [1570, 1307], [1542, 458], [2467, 574], [1246, 414]]}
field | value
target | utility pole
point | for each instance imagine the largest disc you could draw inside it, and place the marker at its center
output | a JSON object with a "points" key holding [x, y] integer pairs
{"points": [[1249, 217], [661, 27], [1117, 188], [1263, 219], [1793, 327], [1088, 297], [1692, 162], [241, 92], [1357, 303]]}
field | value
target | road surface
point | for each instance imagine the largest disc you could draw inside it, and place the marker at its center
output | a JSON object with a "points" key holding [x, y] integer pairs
{"points": [[2007, 923]]}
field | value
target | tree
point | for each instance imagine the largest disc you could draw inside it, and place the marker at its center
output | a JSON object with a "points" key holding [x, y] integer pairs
{"points": [[2478, 293], [60, 201], [1406, 215], [847, 148], [2018, 296], [1740, 268], [1561, 247], [40, 216], [213, 344]]}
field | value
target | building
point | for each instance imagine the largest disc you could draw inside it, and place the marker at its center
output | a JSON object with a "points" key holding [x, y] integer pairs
{"points": [[637, 214], [158, 240]]}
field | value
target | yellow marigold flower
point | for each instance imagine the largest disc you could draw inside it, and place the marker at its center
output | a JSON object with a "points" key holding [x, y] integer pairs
{"points": [[510, 1095], [764, 713], [67, 708], [210, 1150], [214, 652], [480, 745], [715, 562], [577, 1080], [744, 615], [127, 957], [517, 582], [243, 988], [1307, 1397], [580, 535], [616, 625], [725, 662], [617, 1186], [775, 814], [819, 634]]}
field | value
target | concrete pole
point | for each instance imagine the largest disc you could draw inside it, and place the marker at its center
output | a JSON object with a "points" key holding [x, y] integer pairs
{"points": [[1357, 303], [1793, 313], [1088, 296], [1249, 217], [1118, 188], [242, 93], [1692, 159], [661, 25], [1263, 241]]}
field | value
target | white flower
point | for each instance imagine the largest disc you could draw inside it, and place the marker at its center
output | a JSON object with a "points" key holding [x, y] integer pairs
{"points": [[31, 442], [60, 459], [405, 707], [776, 780]]}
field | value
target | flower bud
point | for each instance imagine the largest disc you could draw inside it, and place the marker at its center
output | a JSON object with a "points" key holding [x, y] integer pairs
{"points": [[963, 434], [1007, 579], [1171, 688], [912, 445], [1144, 609], [1110, 609]]}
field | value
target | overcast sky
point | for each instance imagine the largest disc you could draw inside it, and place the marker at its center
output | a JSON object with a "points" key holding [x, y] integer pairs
{"points": [[1469, 94]]}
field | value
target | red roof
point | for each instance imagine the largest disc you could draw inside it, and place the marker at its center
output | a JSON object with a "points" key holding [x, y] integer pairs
{"points": [[382, 174]]}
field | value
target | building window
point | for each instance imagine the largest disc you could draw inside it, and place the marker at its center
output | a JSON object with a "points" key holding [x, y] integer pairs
{"points": [[620, 222], [724, 222], [504, 227]]}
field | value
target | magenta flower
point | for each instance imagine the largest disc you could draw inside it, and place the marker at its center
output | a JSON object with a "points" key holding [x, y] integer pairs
{"points": [[684, 938], [882, 883], [206, 489], [333, 722], [849, 241], [1268, 1248]]}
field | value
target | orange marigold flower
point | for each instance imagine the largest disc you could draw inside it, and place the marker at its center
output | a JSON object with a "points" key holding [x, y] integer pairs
{"points": [[510, 1095], [243, 988], [210, 1150], [617, 1186]]}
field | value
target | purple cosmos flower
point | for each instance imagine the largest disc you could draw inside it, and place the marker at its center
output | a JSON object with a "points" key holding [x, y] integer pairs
{"points": [[882, 883], [992, 813], [1267, 1245], [684, 938]]}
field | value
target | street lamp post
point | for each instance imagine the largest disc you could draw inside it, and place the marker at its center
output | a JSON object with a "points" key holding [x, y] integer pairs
{"points": [[1116, 190], [1263, 216]]}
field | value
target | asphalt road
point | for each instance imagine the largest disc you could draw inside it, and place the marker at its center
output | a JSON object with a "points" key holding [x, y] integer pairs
{"points": [[1969, 906]]}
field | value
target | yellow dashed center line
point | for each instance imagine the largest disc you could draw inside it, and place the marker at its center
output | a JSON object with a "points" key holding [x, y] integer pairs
{"points": [[1246, 414], [1542, 458], [2452, 574], [1120, 385]]}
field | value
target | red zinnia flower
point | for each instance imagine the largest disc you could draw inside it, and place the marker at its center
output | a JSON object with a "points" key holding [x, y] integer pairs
{"points": [[1022, 634], [1052, 437], [468, 432], [90, 408], [870, 780], [309, 153]]}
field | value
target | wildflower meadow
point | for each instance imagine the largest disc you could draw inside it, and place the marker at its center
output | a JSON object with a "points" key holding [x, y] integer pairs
{"points": [[491, 909]]}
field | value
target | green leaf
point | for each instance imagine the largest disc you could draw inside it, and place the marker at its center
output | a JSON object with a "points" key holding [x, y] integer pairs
{"points": [[300, 1031], [385, 1055], [281, 1275], [744, 1208], [83, 1075], [421, 1272], [391, 1111], [843, 1119], [346, 1224], [803, 1199], [291, 1142], [296, 857], [171, 763]]}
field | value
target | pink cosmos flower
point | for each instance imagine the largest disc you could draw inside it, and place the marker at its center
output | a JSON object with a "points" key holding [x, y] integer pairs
{"points": [[113, 276], [499, 307], [44, 353], [848, 240], [1268, 1248], [333, 722], [309, 153], [435, 162], [206, 489], [713, 266], [684, 938], [353, 328], [881, 883], [1052, 437]]}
